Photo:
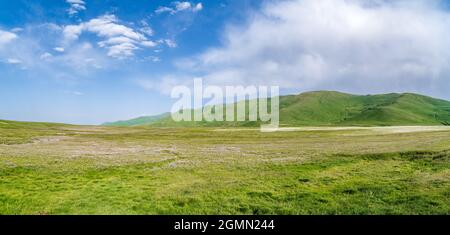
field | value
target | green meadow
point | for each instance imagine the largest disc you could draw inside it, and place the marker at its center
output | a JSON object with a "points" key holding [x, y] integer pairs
{"points": [[65, 169]]}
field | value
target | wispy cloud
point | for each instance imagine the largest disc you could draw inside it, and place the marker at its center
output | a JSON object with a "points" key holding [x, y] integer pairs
{"points": [[34, 50], [120, 40], [76, 6], [146, 29], [169, 42], [180, 7]]}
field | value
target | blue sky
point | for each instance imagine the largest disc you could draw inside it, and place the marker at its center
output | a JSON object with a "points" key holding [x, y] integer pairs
{"points": [[65, 92], [92, 61]]}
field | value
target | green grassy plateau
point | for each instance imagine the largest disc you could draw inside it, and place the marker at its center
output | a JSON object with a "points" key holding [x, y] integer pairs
{"points": [[330, 108], [64, 169]]}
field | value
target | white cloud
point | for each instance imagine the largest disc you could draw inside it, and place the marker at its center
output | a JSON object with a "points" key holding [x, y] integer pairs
{"points": [[76, 6], [162, 9], [72, 32], [120, 40], [34, 51], [83, 57], [149, 43], [6, 37], [198, 7], [170, 43], [147, 30], [122, 50], [106, 26], [354, 46], [13, 61], [180, 7], [59, 49]]}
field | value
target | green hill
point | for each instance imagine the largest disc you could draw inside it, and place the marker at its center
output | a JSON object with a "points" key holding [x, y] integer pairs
{"points": [[334, 108], [330, 108], [146, 120]]}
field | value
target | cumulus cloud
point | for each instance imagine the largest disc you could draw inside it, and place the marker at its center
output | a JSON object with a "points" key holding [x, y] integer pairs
{"points": [[354, 46], [6, 37], [76, 6], [180, 7], [120, 40]]}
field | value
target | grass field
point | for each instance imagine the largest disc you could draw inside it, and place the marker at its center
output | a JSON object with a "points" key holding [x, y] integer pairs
{"points": [[63, 169]]}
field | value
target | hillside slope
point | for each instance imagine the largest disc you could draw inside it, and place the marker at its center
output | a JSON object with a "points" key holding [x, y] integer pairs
{"points": [[146, 120], [334, 108], [330, 108]]}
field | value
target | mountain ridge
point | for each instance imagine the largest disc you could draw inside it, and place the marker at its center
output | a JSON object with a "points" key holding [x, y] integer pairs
{"points": [[143, 120], [332, 108]]}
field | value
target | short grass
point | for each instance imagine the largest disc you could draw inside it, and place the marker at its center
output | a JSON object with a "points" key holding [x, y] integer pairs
{"points": [[59, 169]]}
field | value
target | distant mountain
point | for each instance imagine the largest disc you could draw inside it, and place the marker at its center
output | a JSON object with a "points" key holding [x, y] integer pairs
{"points": [[146, 120], [330, 108]]}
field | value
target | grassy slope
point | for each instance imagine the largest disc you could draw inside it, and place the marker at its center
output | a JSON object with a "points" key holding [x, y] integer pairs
{"points": [[146, 120], [333, 108], [328, 108], [318, 108], [401, 109]]}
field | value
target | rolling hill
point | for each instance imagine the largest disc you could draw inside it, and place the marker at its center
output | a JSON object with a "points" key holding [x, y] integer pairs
{"points": [[145, 120], [330, 108]]}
